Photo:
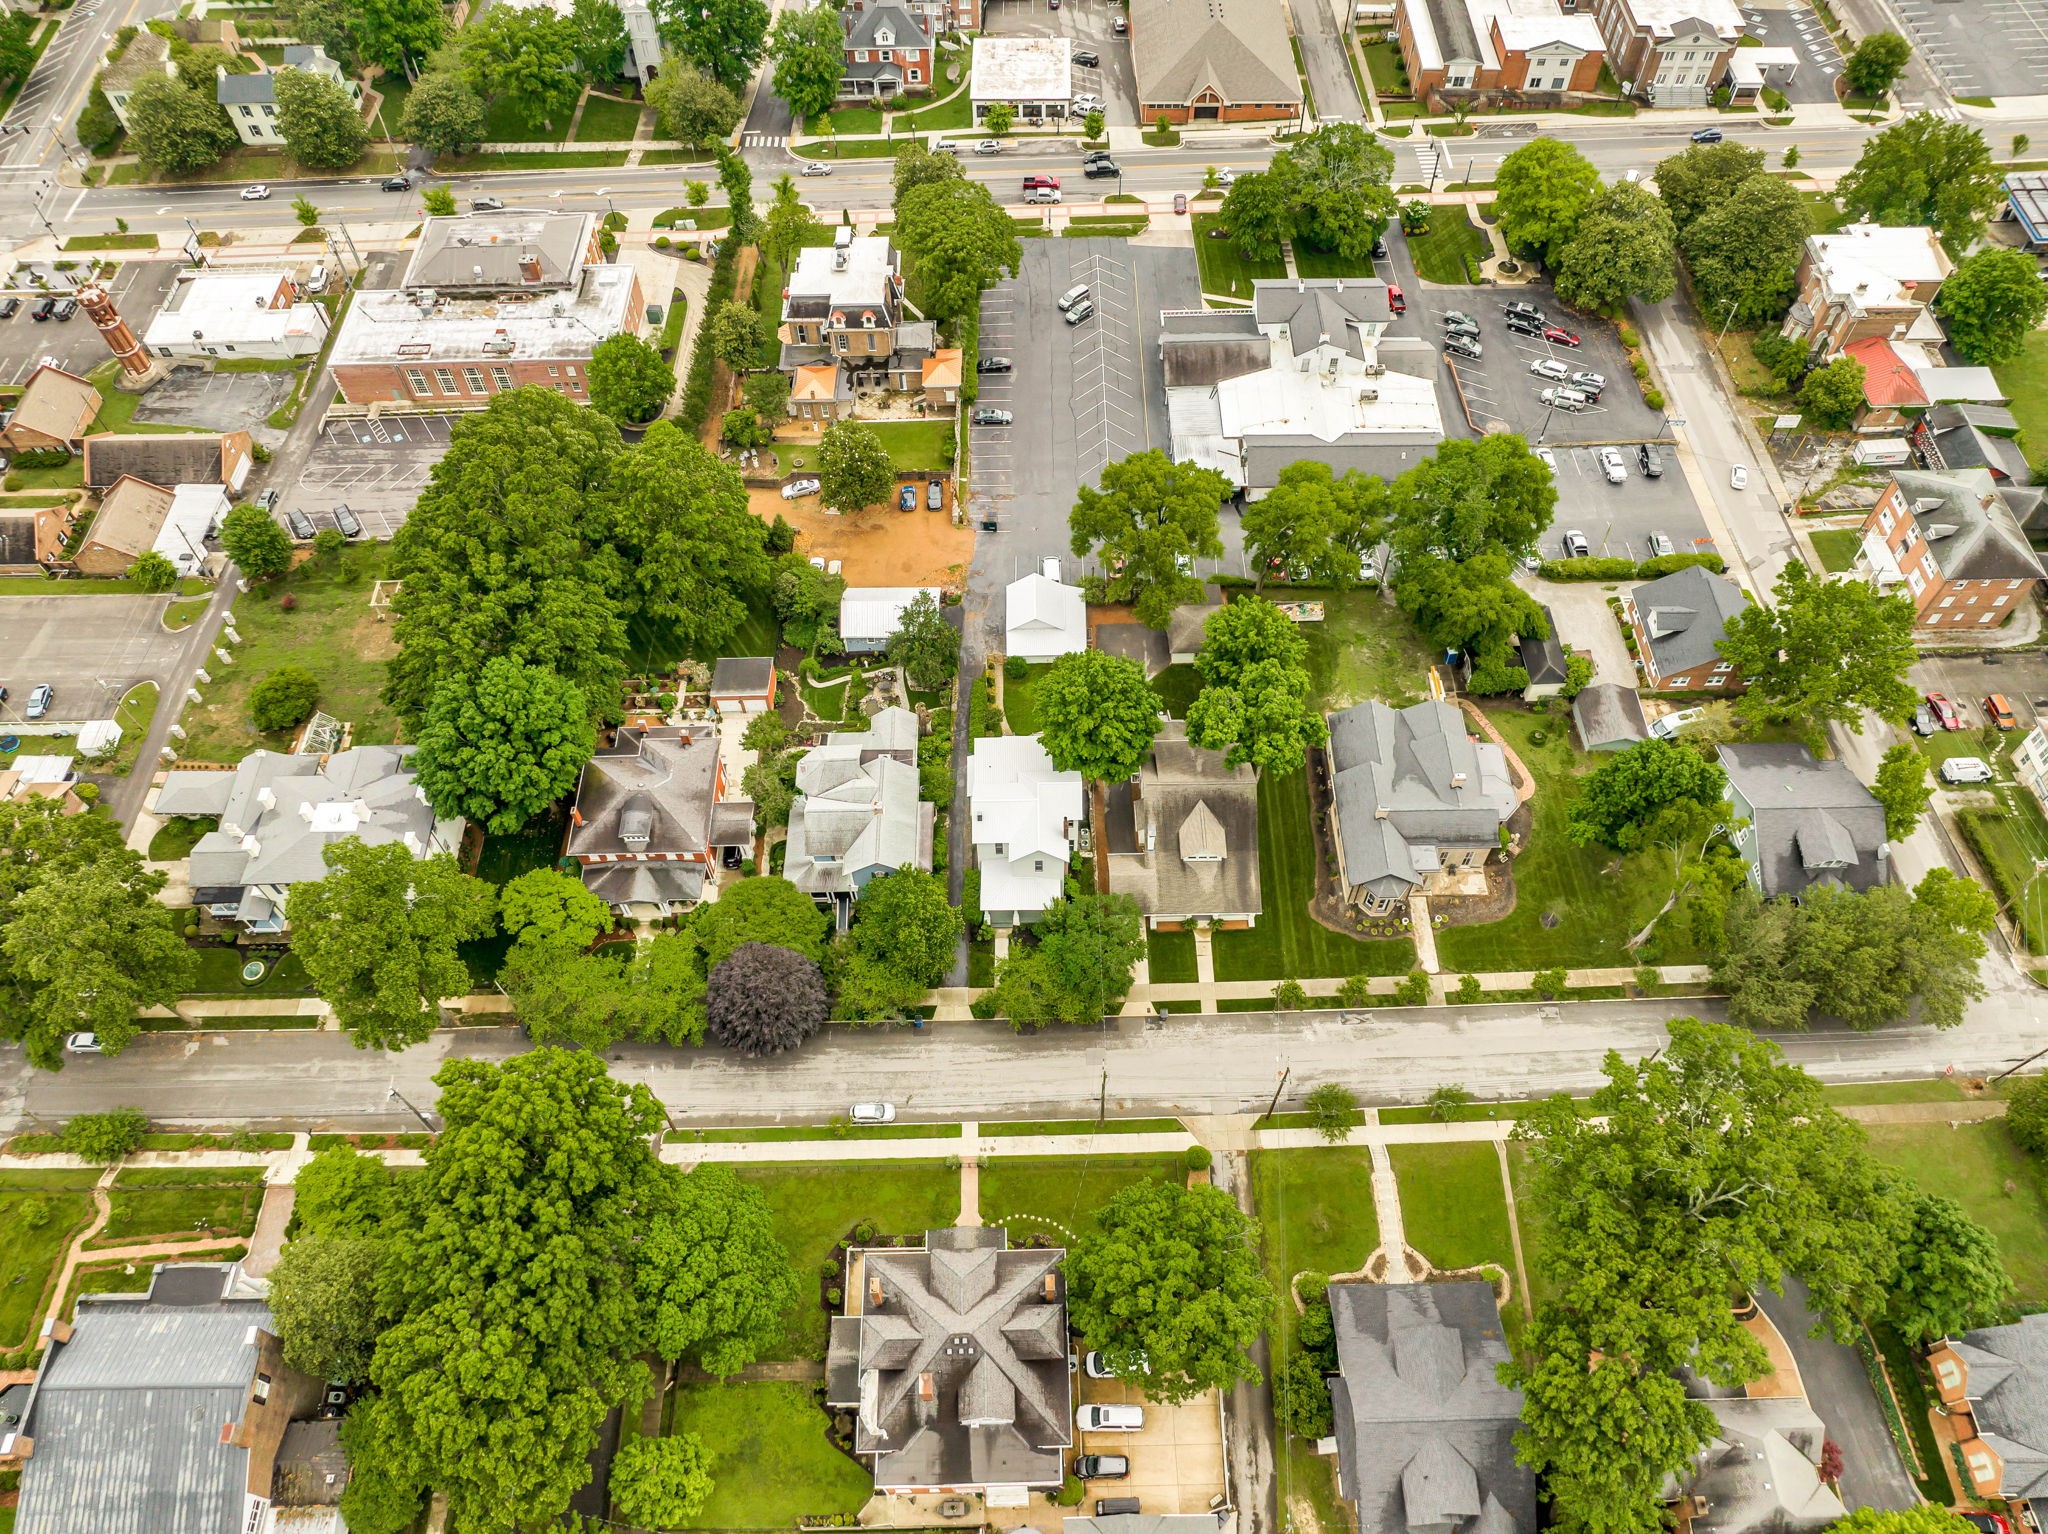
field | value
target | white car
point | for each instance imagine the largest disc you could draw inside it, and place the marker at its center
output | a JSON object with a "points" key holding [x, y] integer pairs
{"points": [[1739, 477], [84, 1044], [1664, 726], [989, 146], [257, 193], [1101, 1417], [1966, 769], [1097, 1367], [873, 1113], [813, 168], [799, 487], [1612, 466], [1086, 104], [1550, 368], [1549, 458]]}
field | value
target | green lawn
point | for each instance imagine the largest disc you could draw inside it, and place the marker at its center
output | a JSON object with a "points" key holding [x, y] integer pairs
{"points": [[1535, 1225], [204, 1202], [1364, 648], [1310, 262], [1453, 1204], [1173, 957], [1440, 254], [40, 1222], [1594, 898], [395, 89], [651, 645], [2008, 843], [332, 631], [505, 122], [1974, 1164], [2027, 382], [915, 445], [1471, 1113], [530, 159], [1383, 62], [850, 122], [772, 1462], [1939, 1090], [1225, 268], [1010, 1128], [1837, 547], [946, 117], [176, 837], [816, 1203], [1020, 698], [1060, 1194], [1288, 943], [220, 974], [607, 120], [825, 1132]]}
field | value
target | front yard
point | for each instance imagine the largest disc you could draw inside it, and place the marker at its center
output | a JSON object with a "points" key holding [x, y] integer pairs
{"points": [[1979, 1167], [2027, 382], [1226, 270], [772, 1462], [1058, 1195], [170, 1205], [1453, 239], [40, 1211], [1454, 1205]]}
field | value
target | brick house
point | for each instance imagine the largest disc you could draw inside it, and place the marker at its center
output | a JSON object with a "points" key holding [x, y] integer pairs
{"points": [[1213, 61], [1893, 398], [55, 410], [1952, 542], [651, 818], [1671, 52], [1678, 622], [935, 16], [1867, 281], [888, 52], [1482, 46]]}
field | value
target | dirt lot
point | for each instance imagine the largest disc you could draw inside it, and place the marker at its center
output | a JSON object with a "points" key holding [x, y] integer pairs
{"points": [[879, 546]]}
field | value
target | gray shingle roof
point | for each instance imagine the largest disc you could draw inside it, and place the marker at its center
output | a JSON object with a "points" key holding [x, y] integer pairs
{"points": [[1425, 1430], [1811, 822], [1758, 1474], [1322, 310], [1686, 613], [905, 30], [1982, 541], [1608, 716], [743, 675], [857, 814], [1435, 783], [258, 89], [162, 458], [1191, 847], [1238, 48], [660, 781], [2008, 1389], [1544, 659]]}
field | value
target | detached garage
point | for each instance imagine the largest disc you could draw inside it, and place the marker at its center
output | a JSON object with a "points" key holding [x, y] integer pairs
{"points": [[743, 684]]}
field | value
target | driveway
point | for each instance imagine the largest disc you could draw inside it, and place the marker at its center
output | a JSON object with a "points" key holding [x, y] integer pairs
{"points": [[1323, 57], [1585, 622], [1839, 1391], [1794, 25]]}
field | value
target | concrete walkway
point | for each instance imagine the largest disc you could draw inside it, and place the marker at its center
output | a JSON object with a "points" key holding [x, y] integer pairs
{"points": [[1386, 1205]]}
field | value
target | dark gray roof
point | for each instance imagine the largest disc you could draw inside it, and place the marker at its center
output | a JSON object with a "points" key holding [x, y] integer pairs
{"points": [[1238, 48], [621, 884], [18, 539], [1142, 1523], [1759, 1473], [311, 1468], [1686, 613], [1386, 455], [2008, 1390], [1608, 717], [649, 792], [1811, 822], [1544, 659], [1206, 347], [257, 89], [1406, 781], [1319, 311], [1455, 38], [1186, 626], [1425, 1430], [904, 29], [1134, 641], [510, 248], [957, 1363], [1967, 527], [1965, 445], [163, 458], [1190, 808], [743, 675]]}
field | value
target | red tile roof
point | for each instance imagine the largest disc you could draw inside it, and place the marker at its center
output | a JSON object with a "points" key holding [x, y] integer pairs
{"points": [[1887, 381]]}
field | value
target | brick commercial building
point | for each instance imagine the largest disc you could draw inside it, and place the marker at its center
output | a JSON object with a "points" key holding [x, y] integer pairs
{"points": [[1518, 46], [489, 302], [1671, 52], [233, 313], [1213, 61], [1955, 545], [1868, 281]]}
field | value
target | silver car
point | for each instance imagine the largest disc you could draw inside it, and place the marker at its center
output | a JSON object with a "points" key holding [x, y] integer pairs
{"points": [[873, 1113]]}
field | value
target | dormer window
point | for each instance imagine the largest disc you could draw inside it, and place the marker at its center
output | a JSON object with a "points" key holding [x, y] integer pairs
{"points": [[886, 36]]}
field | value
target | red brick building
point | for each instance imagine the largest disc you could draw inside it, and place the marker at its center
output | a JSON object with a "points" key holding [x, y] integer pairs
{"points": [[1954, 545], [1213, 61]]}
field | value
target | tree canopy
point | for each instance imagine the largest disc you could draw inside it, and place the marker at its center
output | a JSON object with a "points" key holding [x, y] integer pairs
{"points": [[1823, 652], [1901, 786], [764, 1000], [252, 538], [809, 50], [175, 127], [764, 909], [716, 1281], [964, 241], [629, 380], [1255, 702], [525, 56], [1949, 1276], [1744, 248], [855, 470], [1925, 170], [1097, 715], [1991, 303], [1149, 522], [1703, 176], [723, 38], [1878, 61], [319, 120], [681, 525], [1623, 247], [1313, 525], [501, 747], [1540, 191], [1621, 802], [690, 105], [924, 644], [905, 922], [1172, 1273], [443, 114]]}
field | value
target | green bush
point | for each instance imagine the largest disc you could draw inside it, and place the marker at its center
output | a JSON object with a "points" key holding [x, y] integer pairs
{"points": [[1413, 991], [2026, 1113], [1196, 1158], [1654, 398], [284, 700], [1016, 667], [105, 1137], [697, 386], [1592, 568], [1664, 564], [1548, 983], [42, 458]]}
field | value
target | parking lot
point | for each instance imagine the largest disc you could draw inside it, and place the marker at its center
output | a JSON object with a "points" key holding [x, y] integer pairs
{"points": [[2022, 676], [91, 649], [377, 467], [1618, 519], [1795, 26], [138, 290], [1176, 1458], [192, 396], [1982, 47], [1087, 22]]}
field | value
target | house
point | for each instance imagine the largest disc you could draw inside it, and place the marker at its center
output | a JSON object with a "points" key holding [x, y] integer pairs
{"points": [[1993, 1384], [1760, 1472], [42, 777], [1412, 797], [1608, 718], [820, 392], [1516, 47], [843, 325], [489, 301], [170, 458], [251, 100], [55, 410], [857, 814], [1955, 545], [1809, 822], [869, 615], [2030, 765], [165, 1412], [1021, 818], [1200, 61], [1545, 660], [279, 814], [939, 378], [952, 1357], [147, 54], [32, 538], [1868, 280], [1187, 628], [1976, 436], [651, 818], [1034, 76], [1043, 619], [1675, 51], [137, 517], [1183, 836], [1679, 621], [227, 312], [2026, 204], [1425, 1430], [743, 684], [1892, 395], [888, 52], [935, 16], [1306, 373]]}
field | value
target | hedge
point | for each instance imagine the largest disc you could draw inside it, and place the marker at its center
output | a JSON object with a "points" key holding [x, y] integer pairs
{"points": [[1596, 569], [697, 389]]}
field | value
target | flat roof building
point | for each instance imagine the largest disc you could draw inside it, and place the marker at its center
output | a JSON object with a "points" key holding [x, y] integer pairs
{"points": [[219, 312], [1033, 74]]}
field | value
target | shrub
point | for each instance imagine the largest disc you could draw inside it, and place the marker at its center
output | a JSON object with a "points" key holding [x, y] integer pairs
{"points": [[1413, 991], [42, 458], [1333, 1111], [1654, 398], [1664, 564], [105, 1136], [1015, 668], [284, 700], [1303, 1400], [89, 792], [1196, 1158], [1629, 338], [1311, 1286], [1548, 982], [2026, 1114], [1448, 1100], [1289, 996], [1467, 994], [1591, 568], [1356, 991]]}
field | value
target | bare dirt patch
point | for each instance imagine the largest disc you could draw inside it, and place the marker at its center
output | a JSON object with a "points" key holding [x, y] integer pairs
{"points": [[878, 546]]}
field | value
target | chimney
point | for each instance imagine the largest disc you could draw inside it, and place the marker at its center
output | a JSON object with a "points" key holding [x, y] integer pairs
{"points": [[477, 273], [927, 1387], [529, 268], [1379, 812], [1457, 780], [56, 1331], [875, 1291], [1050, 1286]]}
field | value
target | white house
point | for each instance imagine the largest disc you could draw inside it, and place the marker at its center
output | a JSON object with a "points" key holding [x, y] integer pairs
{"points": [[251, 100], [1043, 619], [868, 615], [1022, 814]]}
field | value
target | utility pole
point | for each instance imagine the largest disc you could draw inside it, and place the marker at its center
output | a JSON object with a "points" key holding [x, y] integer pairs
{"points": [[349, 240], [1278, 1087], [425, 1123], [1102, 1100], [2037, 1054]]}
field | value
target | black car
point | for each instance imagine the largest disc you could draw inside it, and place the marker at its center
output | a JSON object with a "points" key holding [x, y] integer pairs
{"points": [[1649, 461], [1101, 1467], [1522, 325], [397, 183], [9, 308], [300, 524], [1708, 135], [66, 307], [350, 524], [993, 365], [1087, 58], [1102, 168], [1379, 250], [43, 308]]}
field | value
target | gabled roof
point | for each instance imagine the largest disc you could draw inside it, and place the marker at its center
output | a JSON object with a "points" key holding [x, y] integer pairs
{"points": [[147, 54], [1544, 659], [2007, 1385], [1322, 311], [1187, 843], [649, 792], [904, 29], [1042, 617], [1405, 781], [131, 515], [163, 458], [1608, 715], [1237, 48], [857, 813], [1811, 821], [941, 370], [56, 403], [1760, 1473], [1888, 380], [1982, 541], [1686, 614]]}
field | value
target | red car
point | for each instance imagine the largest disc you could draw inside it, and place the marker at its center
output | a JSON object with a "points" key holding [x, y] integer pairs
{"points": [[1945, 713], [1396, 299], [1560, 335]]}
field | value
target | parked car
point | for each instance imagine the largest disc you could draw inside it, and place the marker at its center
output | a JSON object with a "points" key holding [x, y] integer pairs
{"points": [[1085, 309], [1549, 458], [1664, 726], [486, 204], [1650, 461], [1087, 58], [1564, 399], [1708, 136], [1559, 336], [267, 501], [1739, 477], [1458, 319], [9, 308], [1396, 299], [1049, 567], [65, 308], [83, 1044], [1946, 714], [906, 498], [1522, 325], [873, 1113], [300, 524], [1550, 368], [1180, 202], [935, 495], [1988, 1523], [1096, 1367], [39, 700], [1588, 382], [350, 524], [1999, 712], [1121, 26], [1072, 296], [1379, 250], [1097, 168], [987, 416], [1923, 720], [989, 146], [1103, 1417], [1517, 308], [1612, 466], [1085, 103], [396, 183], [1575, 545], [993, 365], [1101, 1467], [42, 309], [1112, 1507], [799, 487], [813, 168], [256, 193], [1966, 769], [1456, 345], [1660, 543]]}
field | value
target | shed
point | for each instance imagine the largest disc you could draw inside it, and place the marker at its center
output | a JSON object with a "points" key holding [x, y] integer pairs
{"points": [[1609, 718], [868, 615]]}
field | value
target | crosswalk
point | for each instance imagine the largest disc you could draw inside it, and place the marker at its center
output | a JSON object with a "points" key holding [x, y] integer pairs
{"points": [[764, 140]]}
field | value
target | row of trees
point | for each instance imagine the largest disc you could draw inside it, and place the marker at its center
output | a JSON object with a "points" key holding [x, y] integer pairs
{"points": [[963, 240]]}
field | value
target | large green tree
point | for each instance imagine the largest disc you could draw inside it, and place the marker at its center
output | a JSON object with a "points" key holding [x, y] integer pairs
{"points": [[1949, 1277], [379, 936], [1340, 180], [344, 1194], [1172, 1273], [855, 470], [629, 379], [1878, 61], [324, 1297], [1991, 303], [681, 526], [1832, 395], [964, 242], [918, 166], [174, 127], [661, 1483], [724, 38], [1097, 715], [1926, 170], [252, 538], [924, 644], [398, 34], [905, 922], [1255, 702], [500, 747], [809, 50], [689, 105], [1313, 525], [1149, 522], [321, 125], [526, 56], [1700, 178], [716, 1282], [443, 114], [1744, 251], [1622, 802], [517, 1314], [1258, 210], [1823, 652], [765, 909], [1087, 945], [1540, 192], [601, 44], [1624, 247], [1489, 496], [1901, 786]]}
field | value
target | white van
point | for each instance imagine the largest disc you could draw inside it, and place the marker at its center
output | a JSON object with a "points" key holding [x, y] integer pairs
{"points": [[1105, 1418], [1565, 399], [1042, 194], [1966, 769]]}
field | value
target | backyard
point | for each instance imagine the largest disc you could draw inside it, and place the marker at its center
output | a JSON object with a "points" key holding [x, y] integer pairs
{"points": [[1020, 698], [915, 445], [169, 1205], [772, 1462], [1979, 1167], [1365, 647], [1058, 1195], [1837, 547], [41, 1212], [1441, 254], [330, 629], [1226, 270], [2026, 380]]}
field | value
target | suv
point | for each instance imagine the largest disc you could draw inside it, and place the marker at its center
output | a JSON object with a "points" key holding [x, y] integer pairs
{"points": [[1101, 1417], [267, 501], [42, 309], [1461, 325], [1516, 309], [350, 524], [1081, 311], [1612, 466], [66, 307], [1587, 382], [485, 204], [1550, 368], [1101, 1467], [1102, 168], [300, 524], [1651, 463], [1072, 296], [1457, 344], [1564, 399], [1087, 58]]}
